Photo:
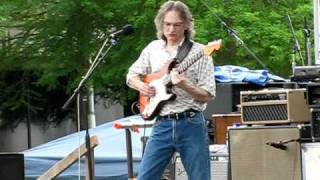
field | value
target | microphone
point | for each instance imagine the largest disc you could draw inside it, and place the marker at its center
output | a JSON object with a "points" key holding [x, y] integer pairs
{"points": [[278, 145], [126, 30]]}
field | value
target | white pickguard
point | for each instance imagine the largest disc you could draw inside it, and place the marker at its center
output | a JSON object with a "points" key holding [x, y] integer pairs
{"points": [[161, 95]]}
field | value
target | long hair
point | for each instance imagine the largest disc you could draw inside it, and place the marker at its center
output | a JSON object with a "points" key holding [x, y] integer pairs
{"points": [[184, 13]]}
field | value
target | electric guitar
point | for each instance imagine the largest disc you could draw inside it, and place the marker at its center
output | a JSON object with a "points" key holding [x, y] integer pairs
{"points": [[150, 107]]}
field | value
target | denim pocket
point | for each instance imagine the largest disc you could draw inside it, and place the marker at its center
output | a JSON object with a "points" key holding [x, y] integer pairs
{"points": [[197, 120]]}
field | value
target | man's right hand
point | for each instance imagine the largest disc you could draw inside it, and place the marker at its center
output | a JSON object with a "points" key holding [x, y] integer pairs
{"points": [[147, 90]]}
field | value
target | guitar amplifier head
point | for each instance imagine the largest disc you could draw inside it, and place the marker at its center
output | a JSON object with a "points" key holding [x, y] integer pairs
{"points": [[274, 106]]}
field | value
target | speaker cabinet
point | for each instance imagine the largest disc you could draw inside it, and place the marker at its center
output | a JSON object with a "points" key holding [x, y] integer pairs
{"points": [[251, 158], [218, 165], [311, 161], [315, 124], [11, 166]]}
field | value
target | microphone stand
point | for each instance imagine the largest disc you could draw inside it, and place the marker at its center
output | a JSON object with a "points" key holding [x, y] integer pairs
{"points": [[234, 35], [296, 47], [101, 54], [306, 31]]}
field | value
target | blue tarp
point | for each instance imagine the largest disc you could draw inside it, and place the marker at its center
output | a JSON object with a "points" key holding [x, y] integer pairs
{"points": [[230, 73], [110, 154]]}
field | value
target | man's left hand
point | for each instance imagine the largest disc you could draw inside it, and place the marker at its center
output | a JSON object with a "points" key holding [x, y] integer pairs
{"points": [[177, 78]]}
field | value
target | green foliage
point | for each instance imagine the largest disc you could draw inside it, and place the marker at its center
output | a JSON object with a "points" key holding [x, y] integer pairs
{"points": [[44, 61], [262, 25]]}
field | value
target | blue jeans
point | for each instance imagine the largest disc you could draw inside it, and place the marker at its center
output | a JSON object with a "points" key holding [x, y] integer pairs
{"points": [[188, 136]]}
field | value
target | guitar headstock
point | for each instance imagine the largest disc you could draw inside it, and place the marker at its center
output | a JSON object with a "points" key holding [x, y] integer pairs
{"points": [[212, 47]]}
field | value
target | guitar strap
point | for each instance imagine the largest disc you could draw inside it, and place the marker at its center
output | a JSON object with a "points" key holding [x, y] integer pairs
{"points": [[183, 50]]}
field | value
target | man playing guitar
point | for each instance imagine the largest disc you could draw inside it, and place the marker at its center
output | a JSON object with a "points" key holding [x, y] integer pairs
{"points": [[180, 125]]}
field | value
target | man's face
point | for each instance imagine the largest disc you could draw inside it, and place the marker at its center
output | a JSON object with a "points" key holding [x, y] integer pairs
{"points": [[173, 27]]}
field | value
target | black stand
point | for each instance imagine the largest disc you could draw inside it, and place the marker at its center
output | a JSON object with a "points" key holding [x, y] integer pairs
{"points": [[76, 92], [306, 31], [128, 126], [129, 154], [296, 46], [233, 34], [144, 140]]}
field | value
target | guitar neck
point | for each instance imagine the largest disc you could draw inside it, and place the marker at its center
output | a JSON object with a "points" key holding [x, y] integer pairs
{"points": [[190, 61]]}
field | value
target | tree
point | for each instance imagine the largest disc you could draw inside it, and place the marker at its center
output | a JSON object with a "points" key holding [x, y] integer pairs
{"points": [[262, 25], [43, 63]]}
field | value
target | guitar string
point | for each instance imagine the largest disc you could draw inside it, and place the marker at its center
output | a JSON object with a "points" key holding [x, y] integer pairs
{"points": [[185, 64], [190, 61]]}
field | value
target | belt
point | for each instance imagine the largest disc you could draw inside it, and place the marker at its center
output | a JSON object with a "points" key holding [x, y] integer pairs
{"points": [[185, 114]]}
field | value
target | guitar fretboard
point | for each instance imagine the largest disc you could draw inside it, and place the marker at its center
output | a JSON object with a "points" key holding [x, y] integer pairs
{"points": [[191, 60]]}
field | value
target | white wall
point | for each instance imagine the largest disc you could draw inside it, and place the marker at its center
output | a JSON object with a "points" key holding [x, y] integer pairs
{"points": [[103, 115], [16, 140]]}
